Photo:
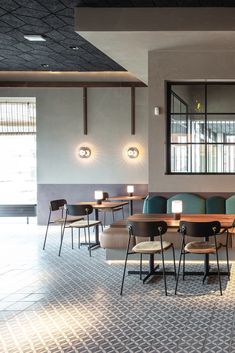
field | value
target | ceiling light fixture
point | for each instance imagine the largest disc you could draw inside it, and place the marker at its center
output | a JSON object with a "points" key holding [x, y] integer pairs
{"points": [[45, 65], [34, 38], [74, 47]]}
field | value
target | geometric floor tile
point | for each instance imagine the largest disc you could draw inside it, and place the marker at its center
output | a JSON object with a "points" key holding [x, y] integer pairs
{"points": [[72, 303]]}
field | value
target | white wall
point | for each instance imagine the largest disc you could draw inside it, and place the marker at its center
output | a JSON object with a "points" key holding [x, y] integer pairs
{"points": [[182, 66], [60, 133]]}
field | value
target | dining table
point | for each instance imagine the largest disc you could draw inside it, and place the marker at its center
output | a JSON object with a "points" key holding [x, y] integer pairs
{"points": [[226, 221], [129, 199], [100, 206]]}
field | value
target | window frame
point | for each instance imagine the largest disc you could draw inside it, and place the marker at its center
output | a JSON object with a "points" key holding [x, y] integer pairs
{"points": [[169, 85]]}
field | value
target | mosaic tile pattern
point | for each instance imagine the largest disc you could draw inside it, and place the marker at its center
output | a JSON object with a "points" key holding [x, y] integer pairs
{"points": [[72, 303]]}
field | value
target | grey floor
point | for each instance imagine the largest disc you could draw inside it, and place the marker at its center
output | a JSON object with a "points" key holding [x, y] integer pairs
{"points": [[72, 303]]}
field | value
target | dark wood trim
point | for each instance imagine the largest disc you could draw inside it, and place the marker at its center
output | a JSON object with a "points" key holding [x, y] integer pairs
{"points": [[85, 131], [61, 84], [132, 110]]}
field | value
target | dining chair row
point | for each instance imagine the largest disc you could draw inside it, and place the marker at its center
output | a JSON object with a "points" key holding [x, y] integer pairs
{"points": [[71, 216], [153, 230]]}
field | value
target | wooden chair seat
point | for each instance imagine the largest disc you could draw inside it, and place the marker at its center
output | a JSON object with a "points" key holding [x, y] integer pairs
{"points": [[151, 247], [200, 247]]}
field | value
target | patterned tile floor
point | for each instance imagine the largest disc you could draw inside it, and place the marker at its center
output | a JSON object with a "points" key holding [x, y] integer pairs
{"points": [[72, 303]]}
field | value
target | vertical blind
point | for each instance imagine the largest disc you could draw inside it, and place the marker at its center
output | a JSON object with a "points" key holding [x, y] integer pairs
{"points": [[17, 118]]}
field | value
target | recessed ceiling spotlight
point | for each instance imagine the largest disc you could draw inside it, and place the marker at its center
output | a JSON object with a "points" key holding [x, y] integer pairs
{"points": [[74, 47], [35, 38], [44, 65]]}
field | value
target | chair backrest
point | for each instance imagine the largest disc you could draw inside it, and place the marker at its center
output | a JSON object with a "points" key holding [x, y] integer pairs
{"points": [[105, 195], [215, 204], [147, 229], [79, 210], [55, 205], [199, 229]]}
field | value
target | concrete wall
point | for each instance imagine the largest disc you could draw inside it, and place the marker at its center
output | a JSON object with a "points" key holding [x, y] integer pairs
{"points": [[60, 134], [181, 66]]}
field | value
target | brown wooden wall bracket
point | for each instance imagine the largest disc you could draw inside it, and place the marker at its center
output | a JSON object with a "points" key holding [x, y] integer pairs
{"points": [[85, 130], [132, 110]]}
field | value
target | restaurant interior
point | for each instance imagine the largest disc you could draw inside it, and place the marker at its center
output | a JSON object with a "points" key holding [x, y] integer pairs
{"points": [[117, 198]]}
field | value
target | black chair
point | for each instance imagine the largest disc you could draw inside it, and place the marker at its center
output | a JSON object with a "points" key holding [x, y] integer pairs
{"points": [[56, 217], [149, 230], [83, 211], [112, 210], [202, 230]]}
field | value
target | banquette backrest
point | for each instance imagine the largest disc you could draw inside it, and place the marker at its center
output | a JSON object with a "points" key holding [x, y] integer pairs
{"points": [[192, 204]]}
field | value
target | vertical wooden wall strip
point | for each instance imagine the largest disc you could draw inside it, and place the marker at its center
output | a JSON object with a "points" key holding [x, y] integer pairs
{"points": [[85, 130], [132, 110]]}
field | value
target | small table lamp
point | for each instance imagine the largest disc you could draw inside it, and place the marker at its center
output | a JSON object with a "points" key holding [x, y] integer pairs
{"points": [[99, 196], [130, 189], [177, 208]]}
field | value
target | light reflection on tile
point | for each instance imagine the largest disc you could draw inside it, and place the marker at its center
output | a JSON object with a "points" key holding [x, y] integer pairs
{"points": [[72, 304]]}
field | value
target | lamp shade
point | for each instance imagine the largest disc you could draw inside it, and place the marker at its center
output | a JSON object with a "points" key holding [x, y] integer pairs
{"points": [[130, 189], [99, 195], [177, 206]]}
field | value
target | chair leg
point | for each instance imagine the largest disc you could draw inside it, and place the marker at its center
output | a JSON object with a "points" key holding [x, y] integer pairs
{"points": [[227, 258], [177, 278], [45, 239], [218, 269], [122, 213], [72, 237], [79, 238], [163, 265], [183, 265], [173, 253], [61, 241], [89, 242], [141, 266], [104, 219], [164, 272], [124, 271], [85, 235], [113, 216]]}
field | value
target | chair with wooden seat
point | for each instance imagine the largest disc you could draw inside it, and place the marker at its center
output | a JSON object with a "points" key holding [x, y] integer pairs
{"points": [[111, 210], [148, 230], [84, 212], [205, 230], [56, 217]]}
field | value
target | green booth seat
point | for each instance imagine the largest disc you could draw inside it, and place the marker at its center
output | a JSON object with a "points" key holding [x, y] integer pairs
{"points": [[155, 204], [191, 203], [215, 204], [230, 205]]}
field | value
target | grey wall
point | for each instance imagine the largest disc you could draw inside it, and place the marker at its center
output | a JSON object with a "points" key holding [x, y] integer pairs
{"points": [[181, 66], [60, 134]]}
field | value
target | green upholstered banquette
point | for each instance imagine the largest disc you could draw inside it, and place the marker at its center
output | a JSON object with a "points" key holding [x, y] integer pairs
{"points": [[192, 204]]}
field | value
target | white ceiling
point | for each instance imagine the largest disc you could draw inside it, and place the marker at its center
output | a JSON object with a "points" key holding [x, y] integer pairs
{"points": [[130, 48]]}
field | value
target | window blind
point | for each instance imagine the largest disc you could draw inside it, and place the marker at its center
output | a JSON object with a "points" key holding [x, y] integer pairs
{"points": [[17, 118]]}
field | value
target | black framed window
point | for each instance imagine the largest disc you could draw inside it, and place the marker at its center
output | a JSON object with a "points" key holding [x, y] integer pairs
{"points": [[200, 128]]}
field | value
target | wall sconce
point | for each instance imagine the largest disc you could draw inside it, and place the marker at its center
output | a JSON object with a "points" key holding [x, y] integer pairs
{"points": [[84, 152], [133, 152], [99, 196], [177, 208], [130, 189]]}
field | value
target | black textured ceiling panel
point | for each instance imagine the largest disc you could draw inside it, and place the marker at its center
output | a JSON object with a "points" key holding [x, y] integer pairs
{"points": [[54, 19]]}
